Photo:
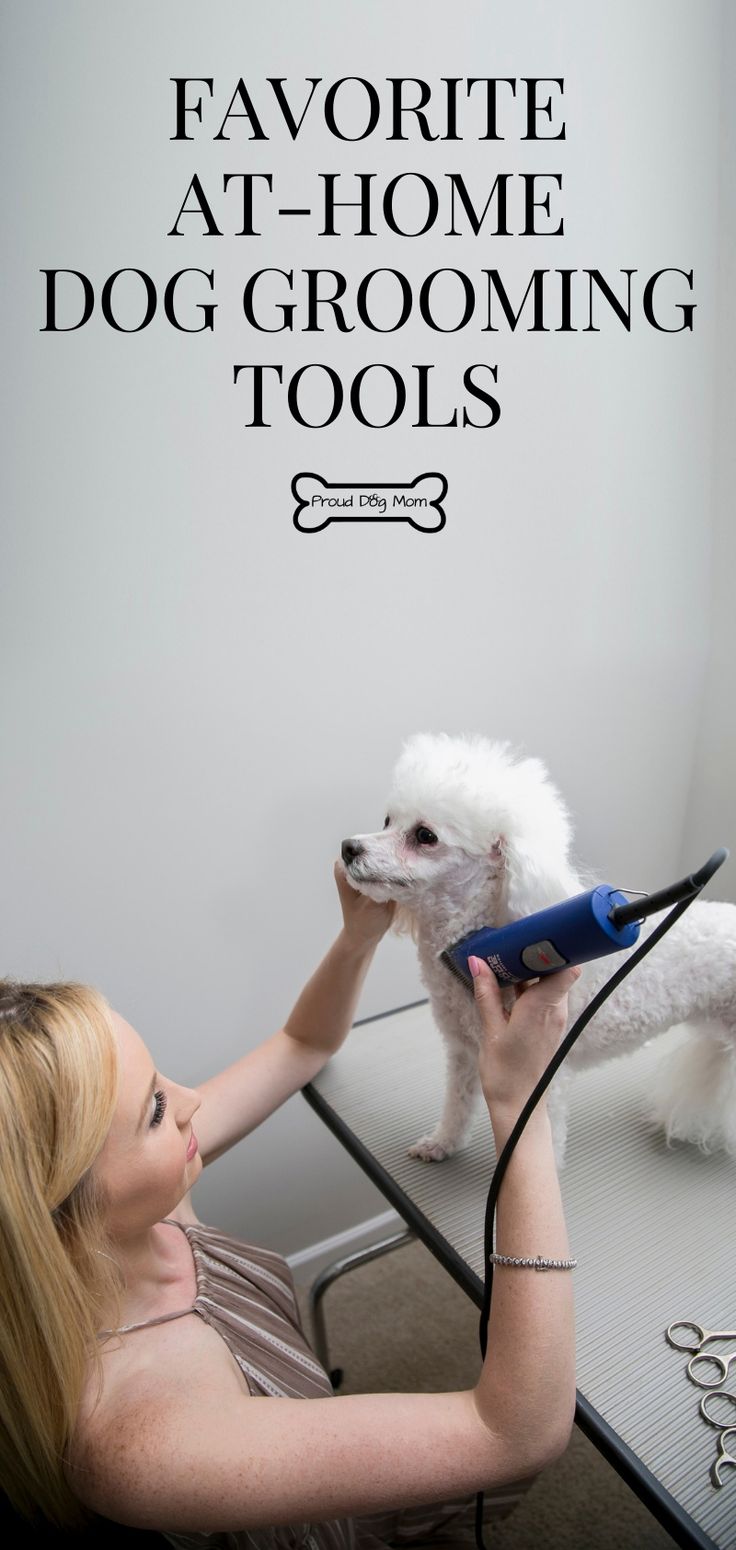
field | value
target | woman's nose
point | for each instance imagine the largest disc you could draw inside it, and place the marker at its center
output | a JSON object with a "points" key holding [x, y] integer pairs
{"points": [[190, 1102]]}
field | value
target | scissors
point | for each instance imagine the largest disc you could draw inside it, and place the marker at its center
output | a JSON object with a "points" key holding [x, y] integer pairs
{"points": [[703, 1336], [724, 1457], [717, 1394]]}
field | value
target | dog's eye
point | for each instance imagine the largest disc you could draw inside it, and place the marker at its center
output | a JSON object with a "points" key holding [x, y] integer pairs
{"points": [[386, 822], [425, 836]]}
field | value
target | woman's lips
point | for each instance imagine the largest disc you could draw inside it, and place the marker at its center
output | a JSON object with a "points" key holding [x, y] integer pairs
{"points": [[193, 1145]]}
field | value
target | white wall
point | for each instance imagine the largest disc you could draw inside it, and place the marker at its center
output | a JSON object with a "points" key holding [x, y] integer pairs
{"points": [[197, 703], [711, 808]]}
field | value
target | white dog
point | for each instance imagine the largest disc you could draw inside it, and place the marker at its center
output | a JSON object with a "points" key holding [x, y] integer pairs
{"points": [[477, 836]]}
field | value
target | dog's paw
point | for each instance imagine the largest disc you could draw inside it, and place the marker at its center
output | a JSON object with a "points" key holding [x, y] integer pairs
{"points": [[429, 1149]]}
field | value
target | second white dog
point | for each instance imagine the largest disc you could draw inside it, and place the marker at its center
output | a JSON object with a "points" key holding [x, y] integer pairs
{"points": [[476, 836]]}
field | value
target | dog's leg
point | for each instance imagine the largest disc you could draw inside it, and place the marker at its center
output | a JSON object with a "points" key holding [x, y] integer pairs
{"points": [[461, 1096], [693, 1097], [451, 1133]]}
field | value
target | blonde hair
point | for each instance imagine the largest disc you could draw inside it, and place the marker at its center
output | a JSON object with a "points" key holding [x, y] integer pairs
{"points": [[58, 1092]]}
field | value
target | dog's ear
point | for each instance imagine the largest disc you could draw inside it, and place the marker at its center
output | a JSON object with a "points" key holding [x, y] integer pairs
{"points": [[404, 922], [531, 880]]}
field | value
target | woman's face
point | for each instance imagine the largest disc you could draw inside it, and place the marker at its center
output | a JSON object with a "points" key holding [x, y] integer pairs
{"points": [[143, 1164]]}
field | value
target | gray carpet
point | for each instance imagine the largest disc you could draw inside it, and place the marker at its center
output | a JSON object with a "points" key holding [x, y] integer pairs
{"points": [[400, 1323]]}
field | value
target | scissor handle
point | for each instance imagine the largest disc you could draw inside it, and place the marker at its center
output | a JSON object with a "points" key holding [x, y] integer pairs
{"points": [[720, 1362], [724, 1457], [704, 1336], [705, 1401], [678, 1345]]}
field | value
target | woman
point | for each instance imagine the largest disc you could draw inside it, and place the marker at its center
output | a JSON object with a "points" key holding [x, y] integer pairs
{"points": [[135, 1338]]}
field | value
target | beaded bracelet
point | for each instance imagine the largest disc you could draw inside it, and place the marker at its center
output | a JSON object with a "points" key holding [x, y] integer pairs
{"points": [[534, 1264]]}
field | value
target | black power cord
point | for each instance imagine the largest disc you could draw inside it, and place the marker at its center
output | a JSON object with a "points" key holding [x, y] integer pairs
{"points": [[694, 884]]}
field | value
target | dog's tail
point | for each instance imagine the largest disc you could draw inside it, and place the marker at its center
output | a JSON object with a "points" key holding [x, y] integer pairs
{"points": [[693, 1094]]}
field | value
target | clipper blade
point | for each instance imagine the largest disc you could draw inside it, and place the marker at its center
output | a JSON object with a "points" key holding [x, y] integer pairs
{"points": [[465, 980]]}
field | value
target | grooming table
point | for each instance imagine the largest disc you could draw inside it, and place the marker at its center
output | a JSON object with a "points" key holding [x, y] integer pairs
{"points": [[653, 1228]]}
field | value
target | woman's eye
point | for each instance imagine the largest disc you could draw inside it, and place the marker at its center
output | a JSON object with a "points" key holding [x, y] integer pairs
{"points": [[158, 1113], [425, 836]]}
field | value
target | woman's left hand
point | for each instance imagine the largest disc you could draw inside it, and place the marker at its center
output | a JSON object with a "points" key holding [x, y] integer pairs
{"points": [[365, 920]]}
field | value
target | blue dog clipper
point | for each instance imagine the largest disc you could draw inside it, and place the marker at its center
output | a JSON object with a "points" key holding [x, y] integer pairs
{"points": [[574, 931]]}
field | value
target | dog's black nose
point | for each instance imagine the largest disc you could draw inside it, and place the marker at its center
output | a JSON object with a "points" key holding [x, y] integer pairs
{"points": [[350, 850]]}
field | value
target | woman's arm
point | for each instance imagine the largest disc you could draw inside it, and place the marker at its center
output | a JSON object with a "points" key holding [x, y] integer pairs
{"points": [[242, 1096], [531, 1327], [180, 1455], [326, 1007]]}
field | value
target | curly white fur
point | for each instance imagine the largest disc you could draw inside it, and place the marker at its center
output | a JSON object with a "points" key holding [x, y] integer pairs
{"points": [[477, 835]]}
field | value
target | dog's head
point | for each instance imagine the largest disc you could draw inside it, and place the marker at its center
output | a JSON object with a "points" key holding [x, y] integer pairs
{"points": [[466, 816]]}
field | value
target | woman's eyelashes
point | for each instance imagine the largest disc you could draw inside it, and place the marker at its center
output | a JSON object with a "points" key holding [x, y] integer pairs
{"points": [[158, 1113]]}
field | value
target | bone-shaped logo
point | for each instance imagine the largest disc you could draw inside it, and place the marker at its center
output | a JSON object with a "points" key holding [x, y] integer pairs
{"points": [[319, 502]]}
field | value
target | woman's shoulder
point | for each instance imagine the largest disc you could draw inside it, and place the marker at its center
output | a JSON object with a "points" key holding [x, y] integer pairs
{"points": [[162, 1366], [187, 1350], [171, 1360]]}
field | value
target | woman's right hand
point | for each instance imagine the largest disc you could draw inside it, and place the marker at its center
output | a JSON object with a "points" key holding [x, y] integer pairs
{"points": [[517, 1046]]}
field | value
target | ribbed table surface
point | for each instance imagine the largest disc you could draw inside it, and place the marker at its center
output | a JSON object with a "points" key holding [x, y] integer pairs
{"points": [[652, 1226]]}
